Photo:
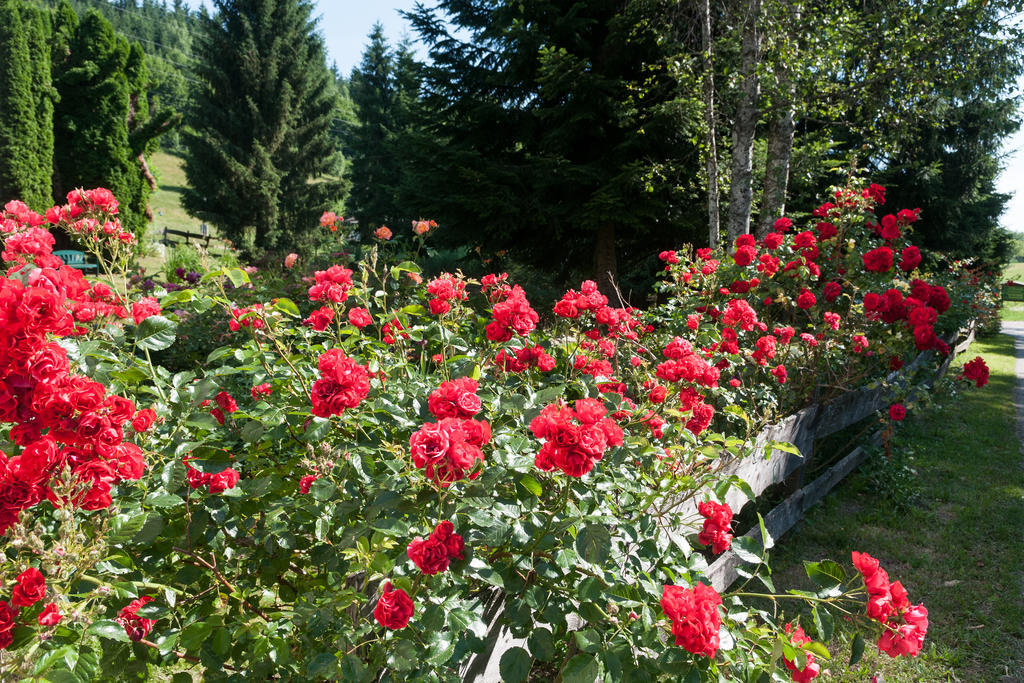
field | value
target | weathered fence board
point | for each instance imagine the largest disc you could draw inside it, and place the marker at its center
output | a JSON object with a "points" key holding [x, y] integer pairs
{"points": [[800, 429]]}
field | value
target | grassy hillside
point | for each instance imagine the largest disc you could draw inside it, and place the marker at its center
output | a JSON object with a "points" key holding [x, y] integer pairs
{"points": [[166, 201]]}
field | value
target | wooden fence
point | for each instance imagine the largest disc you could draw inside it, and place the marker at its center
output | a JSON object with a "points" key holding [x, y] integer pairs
{"points": [[801, 429]]}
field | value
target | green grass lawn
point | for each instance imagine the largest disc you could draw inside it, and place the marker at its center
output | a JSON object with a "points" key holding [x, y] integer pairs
{"points": [[1014, 271], [166, 201], [946, 518]]}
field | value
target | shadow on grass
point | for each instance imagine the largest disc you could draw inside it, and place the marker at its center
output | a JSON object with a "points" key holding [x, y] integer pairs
{"points": [[955, 542]]}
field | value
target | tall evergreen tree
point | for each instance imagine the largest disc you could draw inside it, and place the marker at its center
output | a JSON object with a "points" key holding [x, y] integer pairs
{"points": [[383, 89], [561, 132], [260, 130], [26, 118]]}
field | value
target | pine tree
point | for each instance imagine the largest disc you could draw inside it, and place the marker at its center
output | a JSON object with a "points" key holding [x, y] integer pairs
{"points": [[26, 143], [260, 130], [556, 130], [380, 89], [102, 127]]}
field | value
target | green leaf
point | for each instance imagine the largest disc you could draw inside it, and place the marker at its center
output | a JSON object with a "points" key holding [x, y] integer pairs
{"points": [[152, 527], [105, 628], [323, 665], [542, 645], [580, 669], [747, 549], [155, 333], [857, 650], [823, 622], [238, 277], [818, 649], [515, 665], [531, 485], [173, 475], [287, 306], [323, 489], [594, 543], [163, 500], [826, 574], [125, 527]]}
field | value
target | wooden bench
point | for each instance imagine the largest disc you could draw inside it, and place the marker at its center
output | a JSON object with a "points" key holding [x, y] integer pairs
{"points": [[75, 259], [169, 236]]}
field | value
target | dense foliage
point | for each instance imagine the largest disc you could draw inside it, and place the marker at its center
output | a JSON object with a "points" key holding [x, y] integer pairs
{"points": [[340, 489], [260, 159], [26, 118]]}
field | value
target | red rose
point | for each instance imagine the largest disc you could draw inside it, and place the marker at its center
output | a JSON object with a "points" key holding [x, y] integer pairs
{"points": [[226, 402], [7, 617], [344, 384], [261, 390], [394, 608], [306, 482], [879, 260], [359, 317], [136, 627], [320, 319], [143, 420], [976, 371], [30, 589], [806, 299], [910, 258], [695, 617], [430, 555], [50, 616], [144, 309], [223, 480], [897, 412]]}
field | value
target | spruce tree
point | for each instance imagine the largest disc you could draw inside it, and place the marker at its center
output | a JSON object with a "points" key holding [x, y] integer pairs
{"points": [[102, 127], [558, 131], [26, 142], [260, 129], [375, 163]]}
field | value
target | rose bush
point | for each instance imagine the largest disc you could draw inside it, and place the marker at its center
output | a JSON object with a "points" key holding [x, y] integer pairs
{"points": [[344, 485]]}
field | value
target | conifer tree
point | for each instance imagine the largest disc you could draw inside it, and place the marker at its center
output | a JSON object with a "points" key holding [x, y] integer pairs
{"points": [[26, 138], [102, 128], [260, 130], [383, 89], [557, 130]]}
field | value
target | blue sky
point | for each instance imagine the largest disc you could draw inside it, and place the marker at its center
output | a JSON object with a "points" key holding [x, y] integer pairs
{"points": [[346, 24]]}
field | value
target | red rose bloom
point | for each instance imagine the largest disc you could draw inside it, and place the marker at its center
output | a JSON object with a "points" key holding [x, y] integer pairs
{"points": [[717, 520], [806, 299], [136, 627], [306, 482], [430, 555], [226, 402], [320, 319], [50, 616], [261, 390], [359, 317], [144, 309], [433, 554], [910, 258], [7, 616], [30, 589], [344, 384], [695, 617], [394, 608], [976, 371], [456, 398], [897, 412], [143, 420], [878, 260]]}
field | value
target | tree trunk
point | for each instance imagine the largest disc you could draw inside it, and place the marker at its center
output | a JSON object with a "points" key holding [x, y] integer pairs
{"points": [[709, 121], [776, 170], [744, 125], [605, 266], [780, 149]]}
